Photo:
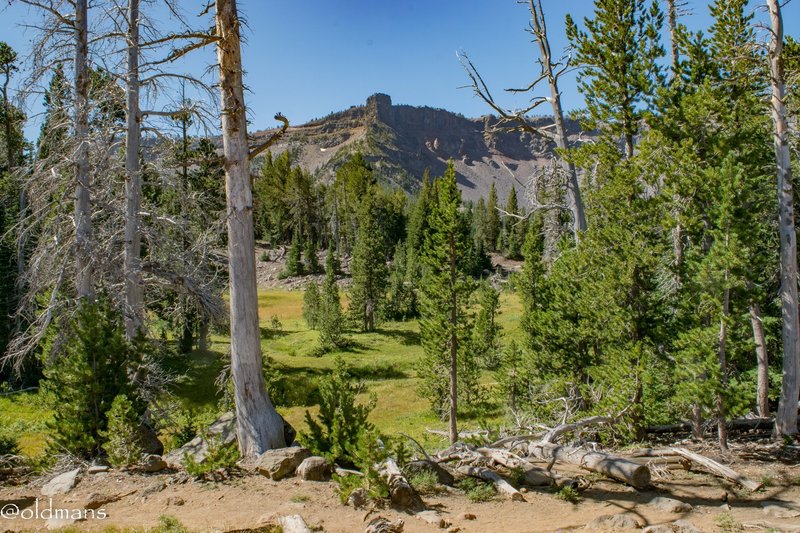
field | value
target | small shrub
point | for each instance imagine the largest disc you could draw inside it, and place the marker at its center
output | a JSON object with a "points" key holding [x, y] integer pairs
{"points": [[767, 481], [275, 323], [221, 457], [300, 498], [425, 482], [727, 523], [8, 444], [516, 476], [264, 257], [345, 485], [475, 490], [124, 443], [169, 524], [568, 494]]}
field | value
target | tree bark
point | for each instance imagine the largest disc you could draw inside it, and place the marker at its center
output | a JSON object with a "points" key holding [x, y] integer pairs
{"points": [[612, 466], [134, 289], [539, 27], [84, 267], [259, 427], [453, 426], [672, 18], [762, 391], [786, 419]]}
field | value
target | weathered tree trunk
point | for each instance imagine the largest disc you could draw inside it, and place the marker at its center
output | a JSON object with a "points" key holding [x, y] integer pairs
{"points": [[259, 427], [539, 27], [612, 466], [453, 423], [722, 430], [762, 390], [293, 524], [502, 486], [401, 492], [134, 289], [786, 419], [718, 469], [672, 18], [84, 269]]}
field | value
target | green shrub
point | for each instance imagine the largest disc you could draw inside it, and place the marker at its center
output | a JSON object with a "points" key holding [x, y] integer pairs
{"points": [[87, 363], [124, 442], [8, 444], [341, 422], [169, 524], [311, 305], [477, 491], [366, 453], [568, 494], [425, 482]]}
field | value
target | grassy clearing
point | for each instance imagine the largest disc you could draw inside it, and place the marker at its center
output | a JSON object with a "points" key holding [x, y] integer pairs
{"points": [[385, 360]]}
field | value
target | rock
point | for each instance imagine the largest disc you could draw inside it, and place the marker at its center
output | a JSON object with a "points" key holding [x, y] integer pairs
{"points": [[277, 464], [469, 516], [779, 509], [153, 463], [177, 501], [56, 523], [432, 517], [661, 528], [314, 468], [223, 430], [149, 440], [442, 476], [62, 483], [684, 526], [380, 524], [454, 529], [96, 500], [670, 505], [155, 488], [98, 469], [613, 523], [358, 498]]}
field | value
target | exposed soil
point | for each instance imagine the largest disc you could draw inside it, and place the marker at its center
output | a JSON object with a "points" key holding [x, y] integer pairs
{"points": [[246, 501]]}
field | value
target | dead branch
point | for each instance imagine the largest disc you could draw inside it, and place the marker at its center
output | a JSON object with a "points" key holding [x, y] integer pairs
{"points": [[718, 469], [272, 138]]}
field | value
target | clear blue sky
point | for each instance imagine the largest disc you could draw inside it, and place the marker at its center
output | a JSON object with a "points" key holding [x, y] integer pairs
{"points": [[308, 58]]}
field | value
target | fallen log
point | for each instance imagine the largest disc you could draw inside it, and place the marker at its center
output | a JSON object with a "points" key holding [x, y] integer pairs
{"points": [[293, 524], [719, 469], [380, 524], [535, 476], [612, 466], [671, 462], [500, 484], [401, 492]]}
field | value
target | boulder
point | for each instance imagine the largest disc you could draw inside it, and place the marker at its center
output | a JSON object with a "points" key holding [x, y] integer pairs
{"points": [[153, 463], [314, 468], [779, 509], [223, 429], [148, 439], [358, 498], [282, 462], [96, 500], [684, 526], [660, 528], [670, 505], [62, 483], [442, 476], [614, 522]]}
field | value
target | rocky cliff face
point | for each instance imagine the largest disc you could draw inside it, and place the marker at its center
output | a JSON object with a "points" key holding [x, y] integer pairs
{"points": [[403, 141]]}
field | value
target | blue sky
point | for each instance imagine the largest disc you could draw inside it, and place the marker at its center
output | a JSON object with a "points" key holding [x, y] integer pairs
{"points": [[308, 58]]}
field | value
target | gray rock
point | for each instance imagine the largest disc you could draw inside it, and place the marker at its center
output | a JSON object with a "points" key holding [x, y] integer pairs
{"points": [[358, 498], [277, 464], [96, 500], [155, 488], [56, 523], [684, 526], [613, 522], [176, 501], [442, 476], [149, 440], [153, 463], [434, 518], [223, 429], [670, 505], [62, 483], [314, 468], [779, 509], [661, 528]]}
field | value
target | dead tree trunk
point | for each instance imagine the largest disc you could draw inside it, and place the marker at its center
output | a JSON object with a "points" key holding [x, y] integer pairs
{"points": [[786, 419], [616, 467], [259, 427], [84, 270], [760, 339], [133, 183], [574, 199]]}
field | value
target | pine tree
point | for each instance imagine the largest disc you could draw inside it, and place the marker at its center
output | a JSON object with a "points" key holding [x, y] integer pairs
{"points": [[511, 378], [444, 296], [368, 267], [311, 260], [294, 262], [312, 305], [123, 438], [401, 298], [330, 320], [492, 224], [486, 333], [618, 58], [513, 228]]}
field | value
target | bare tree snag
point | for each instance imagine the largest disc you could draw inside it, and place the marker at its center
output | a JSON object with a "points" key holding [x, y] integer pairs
{"points": [[84, 267], [259, 427], [134, 290], [612, 466], [762, 388], [401, 492], [502, 486], [786, 419], [718, 469]]}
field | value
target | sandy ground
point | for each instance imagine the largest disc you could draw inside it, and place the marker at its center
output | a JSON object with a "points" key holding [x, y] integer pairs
{"points": [[245, 501]]}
